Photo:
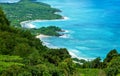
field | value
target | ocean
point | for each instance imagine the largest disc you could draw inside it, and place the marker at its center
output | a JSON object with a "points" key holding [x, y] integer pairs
{"points": [[9, 1], [92, 27]]}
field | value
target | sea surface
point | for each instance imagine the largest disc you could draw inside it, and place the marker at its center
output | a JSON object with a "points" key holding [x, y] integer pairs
{"points": [[9, 1], [92, 27]]}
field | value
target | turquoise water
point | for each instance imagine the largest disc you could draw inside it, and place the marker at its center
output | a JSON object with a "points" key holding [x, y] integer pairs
{"points": [[93, 27]]}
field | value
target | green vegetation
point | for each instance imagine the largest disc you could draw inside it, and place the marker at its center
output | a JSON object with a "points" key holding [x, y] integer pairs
{"points": [[21, 54], [31, 10], [112, 63], [109, 67], [50, 31], [6, 61], [91, 72], [28, 10]]}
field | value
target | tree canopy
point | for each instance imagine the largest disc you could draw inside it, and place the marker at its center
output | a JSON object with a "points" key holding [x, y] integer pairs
{"points": [[21, 54], [29, 10]]}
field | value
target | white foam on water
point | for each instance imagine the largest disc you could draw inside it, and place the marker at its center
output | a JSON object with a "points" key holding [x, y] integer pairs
{"points": [[64, 36], [66, 31], [27, 24], [30, 26], [50, 45], [76, 54]]}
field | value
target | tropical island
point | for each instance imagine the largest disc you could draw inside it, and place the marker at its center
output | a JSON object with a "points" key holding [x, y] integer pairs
{"points": [[25, 10], [22, 54], [31, 10]]}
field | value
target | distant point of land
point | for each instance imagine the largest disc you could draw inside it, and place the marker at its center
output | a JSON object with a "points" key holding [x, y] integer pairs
{"points": [[29, 10]]}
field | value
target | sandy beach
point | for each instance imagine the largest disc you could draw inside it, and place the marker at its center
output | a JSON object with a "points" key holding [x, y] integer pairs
{"points": [[27, 24], [42, 36]]}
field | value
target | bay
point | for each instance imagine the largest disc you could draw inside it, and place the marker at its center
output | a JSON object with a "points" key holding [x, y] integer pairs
{"points": [[93, 27]]}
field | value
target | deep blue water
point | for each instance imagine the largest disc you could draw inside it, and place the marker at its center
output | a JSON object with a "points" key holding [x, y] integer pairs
{"points": [[93, 27]]}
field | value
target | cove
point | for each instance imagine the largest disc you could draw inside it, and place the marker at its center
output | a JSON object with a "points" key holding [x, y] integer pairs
{"points": [[93, 27]]}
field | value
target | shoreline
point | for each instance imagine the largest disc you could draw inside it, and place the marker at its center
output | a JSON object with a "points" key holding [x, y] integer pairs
{"points": [[27, 24], [80, 58], [40, 36]]}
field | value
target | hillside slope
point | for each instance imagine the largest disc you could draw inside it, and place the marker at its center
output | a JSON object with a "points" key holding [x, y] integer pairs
{"points": [[29, 10], [21, 54]]}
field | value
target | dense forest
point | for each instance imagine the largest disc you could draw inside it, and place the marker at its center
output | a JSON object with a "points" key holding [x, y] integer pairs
{"points": [[21, 54], [29, 10], [50, 31]]}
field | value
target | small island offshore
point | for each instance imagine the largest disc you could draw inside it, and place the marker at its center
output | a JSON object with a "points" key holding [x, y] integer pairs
{"points": [[22, 54]]}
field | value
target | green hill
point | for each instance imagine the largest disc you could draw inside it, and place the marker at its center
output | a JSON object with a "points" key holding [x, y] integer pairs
{"points": [[29, 10], [21, 54]]}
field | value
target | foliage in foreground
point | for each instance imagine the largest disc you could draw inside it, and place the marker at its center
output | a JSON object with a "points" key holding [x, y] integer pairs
{"points": [[21, 54]]}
